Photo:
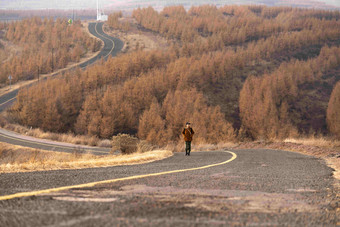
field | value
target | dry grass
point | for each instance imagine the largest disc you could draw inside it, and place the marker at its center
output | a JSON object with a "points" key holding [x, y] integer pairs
{"points": [[315, 141], [213, 147], [198, 146], [104, 143], [66, 138], [19, 159], [9, 50], [137, 38]]}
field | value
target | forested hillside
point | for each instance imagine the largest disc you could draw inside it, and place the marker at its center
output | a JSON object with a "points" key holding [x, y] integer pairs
{"points": [[291, 100], [333, 111], [46, 45], [235, 72]]}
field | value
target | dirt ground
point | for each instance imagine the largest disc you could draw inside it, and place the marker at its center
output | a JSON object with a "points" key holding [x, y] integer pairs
{"points": [[8, 50], [137, 38]]}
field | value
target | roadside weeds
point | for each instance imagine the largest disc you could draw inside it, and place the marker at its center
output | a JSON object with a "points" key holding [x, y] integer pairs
{"points": [[66, 138], [20, 159]]}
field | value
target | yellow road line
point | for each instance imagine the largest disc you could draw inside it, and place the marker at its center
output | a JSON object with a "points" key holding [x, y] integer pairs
{"points": [[49, 145], [113, 44], [7, 101], [87, 185]]}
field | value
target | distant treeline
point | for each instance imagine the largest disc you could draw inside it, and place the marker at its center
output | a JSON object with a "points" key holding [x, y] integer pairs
{"points": [[235, 72], [10, 15], [45, 45]]}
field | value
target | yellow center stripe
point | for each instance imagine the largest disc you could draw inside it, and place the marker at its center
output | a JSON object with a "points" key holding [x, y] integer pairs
{"points": [[34, 193], [113, 44]]}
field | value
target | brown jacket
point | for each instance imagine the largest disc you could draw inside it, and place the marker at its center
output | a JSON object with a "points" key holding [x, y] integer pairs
{"points": [[188, 133]]}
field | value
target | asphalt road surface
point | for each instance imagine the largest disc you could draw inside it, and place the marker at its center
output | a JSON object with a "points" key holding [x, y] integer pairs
{"points": [[258, 188], [112, 46], [27, 141]]}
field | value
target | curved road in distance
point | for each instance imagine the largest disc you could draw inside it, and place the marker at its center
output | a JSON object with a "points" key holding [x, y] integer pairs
{"points": [[112, 46], [31, 142], [258, 188]]}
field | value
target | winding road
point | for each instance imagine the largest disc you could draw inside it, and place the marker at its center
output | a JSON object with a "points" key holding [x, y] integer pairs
{"points": [[222, 188], [112, 46], [216, 188]]}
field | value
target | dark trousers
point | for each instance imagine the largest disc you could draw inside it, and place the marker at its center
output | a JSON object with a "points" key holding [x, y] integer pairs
{"points": [[187, 147]]}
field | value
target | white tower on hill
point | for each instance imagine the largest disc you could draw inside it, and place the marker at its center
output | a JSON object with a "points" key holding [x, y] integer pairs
{"points": [[100, 14]]}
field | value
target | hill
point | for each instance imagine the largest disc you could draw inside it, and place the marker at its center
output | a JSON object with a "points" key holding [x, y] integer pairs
{"points": [[235, 72], [42, 46]]}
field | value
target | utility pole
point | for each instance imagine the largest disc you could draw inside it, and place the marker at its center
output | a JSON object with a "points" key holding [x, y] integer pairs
{"points": [[97, 9], [52, 60]]}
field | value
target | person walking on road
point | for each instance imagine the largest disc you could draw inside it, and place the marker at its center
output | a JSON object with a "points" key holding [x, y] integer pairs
{"points": [[188, 132]]}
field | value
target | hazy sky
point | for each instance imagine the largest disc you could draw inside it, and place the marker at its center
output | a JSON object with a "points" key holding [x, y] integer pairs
{"points": [[121, 4]]}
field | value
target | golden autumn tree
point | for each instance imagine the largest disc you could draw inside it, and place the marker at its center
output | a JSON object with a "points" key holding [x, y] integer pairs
{"points": [[152, 126], [190, 105], [333, 111], [46, 45], [213, 53], [89, 118], [113, 22], [268, 104]]}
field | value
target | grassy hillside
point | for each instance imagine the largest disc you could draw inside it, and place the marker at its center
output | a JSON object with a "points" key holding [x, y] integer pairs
{"points": [[287, 58]]}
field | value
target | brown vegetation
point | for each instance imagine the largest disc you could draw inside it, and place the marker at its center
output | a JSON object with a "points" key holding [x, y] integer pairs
{"points": [[46, 45], [136, 37], [333, 111], [65, 137], [151, 94], [232, 25], [270, 107], [127, 144], [19, 159], [113, 22]]}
